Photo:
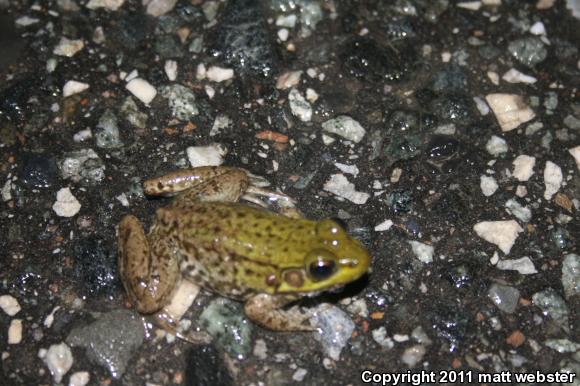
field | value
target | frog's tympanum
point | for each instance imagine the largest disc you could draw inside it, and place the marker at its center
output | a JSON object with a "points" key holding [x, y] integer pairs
{"points": [[244, 252]]}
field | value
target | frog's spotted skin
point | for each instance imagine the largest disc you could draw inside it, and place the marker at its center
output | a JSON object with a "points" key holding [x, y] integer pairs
{"points": [[243, 252]]}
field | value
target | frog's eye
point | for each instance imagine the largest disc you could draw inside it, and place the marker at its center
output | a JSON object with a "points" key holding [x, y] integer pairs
{"points": [[321, 264], [329, 230]]}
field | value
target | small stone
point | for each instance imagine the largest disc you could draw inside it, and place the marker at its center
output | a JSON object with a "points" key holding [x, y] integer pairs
{"points": [[501, 233], [528, 51], [384, 226], [552, 305], [219, 74], [181, 101], [67, 47], [260, 349], [206, 155], [413, 355], [423, 252], [288, 79], [514, 76], [552, 179], [25, 21], [221, 122], [142, 89], [338, 184], [380, 336], [571, 275], [9, 305], [15, 331], [66, 204], [510, 110], [299, 106], [523, 265], [108, 136], [171, 69], [504, 297], [575, 152], [73, 87], [562, 345], [80, 378], [299, 374], [522, 213], [496, 146], [59, 360], [157, 8], [334, 329], [538, 28], [348, 169], [516, 339], [488, 185], [345, 127], [112, 5], [523, 167]]}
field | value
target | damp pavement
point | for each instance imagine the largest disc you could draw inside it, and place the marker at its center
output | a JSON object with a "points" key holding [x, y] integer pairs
{"points": [[445, 135]]}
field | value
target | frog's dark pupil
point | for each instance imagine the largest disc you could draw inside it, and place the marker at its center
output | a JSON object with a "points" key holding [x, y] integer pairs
{"points": [[321, 269]]}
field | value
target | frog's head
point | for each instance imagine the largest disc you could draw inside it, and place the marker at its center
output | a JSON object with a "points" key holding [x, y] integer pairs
{"points": [[334, 259]]}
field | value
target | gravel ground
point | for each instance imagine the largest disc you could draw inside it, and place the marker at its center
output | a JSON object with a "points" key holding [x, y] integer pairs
{"points": [[445, 135]]}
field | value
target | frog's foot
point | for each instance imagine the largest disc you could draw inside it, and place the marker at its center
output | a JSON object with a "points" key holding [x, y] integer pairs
{"points": [[267, 198], [266, 310], [165, 322]]}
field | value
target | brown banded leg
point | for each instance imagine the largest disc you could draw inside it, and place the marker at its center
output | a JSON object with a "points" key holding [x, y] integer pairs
{"points": [[267, 311]]}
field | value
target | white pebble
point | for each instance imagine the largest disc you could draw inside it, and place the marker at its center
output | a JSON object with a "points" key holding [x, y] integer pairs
{"points": [[299, 106], [501, 233], [9, 305], [552, 179], [288, 21], [288, 79], [496, 146], [384, 226], [523, 167], [157, 8], [73, 87], [206, 155], [422, 251], [311, 95], [59, 360], [299, 375], [510, 110], [413, 355], [171, 69], [219, 74], [482, 107], [142, 89], [493, 77], [112, 5], [522, 213], [348, 169], [538, 28], [524, 265], [575, 152], [515, 76], [15, 331], [339, 185], [68, 47], [346, 127], [66, 204], [521, 191], [488, 185], [470, 5], [80, 378], [25, 21], [283, 34]]}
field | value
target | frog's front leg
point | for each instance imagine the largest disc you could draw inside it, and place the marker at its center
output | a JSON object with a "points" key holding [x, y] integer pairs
{"points": [[148, 272], [267, 311]]}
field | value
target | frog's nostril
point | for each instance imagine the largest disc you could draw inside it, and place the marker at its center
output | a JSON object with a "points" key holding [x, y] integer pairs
{"points": [[160, 185]]}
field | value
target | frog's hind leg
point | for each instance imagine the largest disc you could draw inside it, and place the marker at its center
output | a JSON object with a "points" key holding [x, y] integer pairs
{"points": [[149, 281]]}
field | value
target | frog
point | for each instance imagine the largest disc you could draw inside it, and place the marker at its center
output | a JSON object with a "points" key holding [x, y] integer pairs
{"points": [[219, 233]]}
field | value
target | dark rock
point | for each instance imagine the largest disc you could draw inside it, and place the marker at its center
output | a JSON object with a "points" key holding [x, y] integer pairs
{"points": [[131, 31], [95, 266], [243, 39], [400, 201], [205, 367], [442, 147], [528, 51], [364, 58], [450, 78], [452, 323], [453, 107], [39, 171]]}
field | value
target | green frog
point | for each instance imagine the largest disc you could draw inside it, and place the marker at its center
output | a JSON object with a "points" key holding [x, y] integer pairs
{"points": [[206, 237]]}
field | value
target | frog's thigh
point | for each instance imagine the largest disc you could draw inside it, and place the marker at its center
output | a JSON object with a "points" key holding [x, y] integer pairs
{"points": [[227, 187], [266, 310], [148, 280]]}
